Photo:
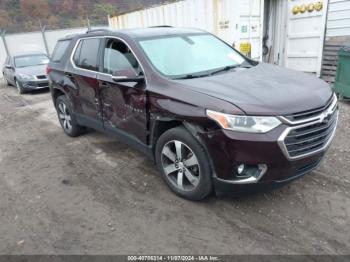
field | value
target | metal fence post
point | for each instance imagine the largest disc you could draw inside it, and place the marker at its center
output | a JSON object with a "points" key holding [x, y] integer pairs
{"points": [[42, 29], [4, 41]]}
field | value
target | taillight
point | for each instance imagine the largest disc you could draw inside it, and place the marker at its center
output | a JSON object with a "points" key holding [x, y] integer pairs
{"points": [[48, 70]]}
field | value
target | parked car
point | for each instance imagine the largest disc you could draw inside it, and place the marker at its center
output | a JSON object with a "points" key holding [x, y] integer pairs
{"points": [[26, 71], [209, 117]]}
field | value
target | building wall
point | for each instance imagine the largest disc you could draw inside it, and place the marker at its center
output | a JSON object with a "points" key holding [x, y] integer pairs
{"points": [[337, 35]]}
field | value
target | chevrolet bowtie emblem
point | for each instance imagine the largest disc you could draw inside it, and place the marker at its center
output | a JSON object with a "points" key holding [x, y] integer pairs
{"points": [[325, 117]]}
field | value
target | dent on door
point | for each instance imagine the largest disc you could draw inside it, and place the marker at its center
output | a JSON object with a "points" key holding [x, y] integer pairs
{"points": [[124, 108], [88, 93]]}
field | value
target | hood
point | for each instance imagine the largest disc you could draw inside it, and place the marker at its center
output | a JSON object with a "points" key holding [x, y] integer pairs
{"points": [[32, 70], [265, 89]]}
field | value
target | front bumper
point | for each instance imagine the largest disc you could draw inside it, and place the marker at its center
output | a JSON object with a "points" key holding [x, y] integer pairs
{"points": [[228, 149], [34, 85], [224, 187]]}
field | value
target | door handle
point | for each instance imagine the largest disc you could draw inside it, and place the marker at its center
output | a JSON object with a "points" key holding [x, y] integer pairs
{"points": [[104, 85], [68, 75], [107, 105], [97, 102]]}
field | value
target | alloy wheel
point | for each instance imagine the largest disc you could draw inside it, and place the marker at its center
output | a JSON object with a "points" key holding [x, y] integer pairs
{"points": [[65, 117], [180, 165]]}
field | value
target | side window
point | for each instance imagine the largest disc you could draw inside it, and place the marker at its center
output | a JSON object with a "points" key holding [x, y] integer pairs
{"points": [[117, 56], [86, 54], [60, 50]]}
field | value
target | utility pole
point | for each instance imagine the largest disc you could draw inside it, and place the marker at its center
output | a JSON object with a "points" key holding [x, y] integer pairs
{"points": [[42, 29], [88, 23], [3, 32]]}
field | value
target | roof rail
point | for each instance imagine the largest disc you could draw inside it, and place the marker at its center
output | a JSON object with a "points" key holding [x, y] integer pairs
{"points": [[160, 26], [97, 30]]}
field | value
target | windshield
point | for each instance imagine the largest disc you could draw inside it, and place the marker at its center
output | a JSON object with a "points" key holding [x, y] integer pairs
{"points": [[31, 60], [181, 56]]}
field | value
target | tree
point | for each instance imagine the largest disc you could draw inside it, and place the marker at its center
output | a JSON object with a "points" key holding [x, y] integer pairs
{"points": [[68, 6], [53, 21], [101, 11], [35, 8], [5, 20]]}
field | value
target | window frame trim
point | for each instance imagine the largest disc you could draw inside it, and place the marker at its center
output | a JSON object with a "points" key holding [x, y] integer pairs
{"points": [[103, 38]]}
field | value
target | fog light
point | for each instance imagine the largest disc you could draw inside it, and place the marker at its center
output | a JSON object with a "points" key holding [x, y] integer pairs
{"points": [[249, 173], [240, 169]]}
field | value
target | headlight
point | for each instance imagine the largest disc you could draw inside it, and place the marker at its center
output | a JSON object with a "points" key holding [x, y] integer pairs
{"points": [[249, 124], [26, 77]]}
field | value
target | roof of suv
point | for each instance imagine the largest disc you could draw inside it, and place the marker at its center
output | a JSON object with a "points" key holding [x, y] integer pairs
{"points": [[140, 32]]}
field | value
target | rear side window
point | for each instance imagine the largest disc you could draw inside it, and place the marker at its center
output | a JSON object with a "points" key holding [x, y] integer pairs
{"points": [[86, 54], [60, 50]]}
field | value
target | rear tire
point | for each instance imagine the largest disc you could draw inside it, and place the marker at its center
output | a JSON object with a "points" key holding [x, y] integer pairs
{"points": [[67, 120], [184, 164]]}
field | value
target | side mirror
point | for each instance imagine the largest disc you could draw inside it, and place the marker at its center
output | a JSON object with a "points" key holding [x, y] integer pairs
{"points": [[8, 67], [127, 75]]}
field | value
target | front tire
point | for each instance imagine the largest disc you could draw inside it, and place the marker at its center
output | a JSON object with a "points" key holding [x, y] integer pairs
{"points": [[67, 120], [19, 88], [184, 164], [6, 81]]}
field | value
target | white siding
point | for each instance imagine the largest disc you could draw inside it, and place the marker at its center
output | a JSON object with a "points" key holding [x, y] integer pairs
{"points": [[338, 23]]}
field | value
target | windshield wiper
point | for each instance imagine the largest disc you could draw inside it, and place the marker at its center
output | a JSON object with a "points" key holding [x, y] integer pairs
{"points": [[223, 69], [190, 76], [226, 68]]}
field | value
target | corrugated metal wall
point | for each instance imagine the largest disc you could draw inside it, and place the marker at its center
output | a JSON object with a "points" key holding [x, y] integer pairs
{"points": [[234, 21]]}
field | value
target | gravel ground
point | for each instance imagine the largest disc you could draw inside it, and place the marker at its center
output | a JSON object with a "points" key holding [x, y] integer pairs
{"points": [[93, 195]]}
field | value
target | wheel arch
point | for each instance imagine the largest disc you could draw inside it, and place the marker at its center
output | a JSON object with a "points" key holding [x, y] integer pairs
{"points": [[163, 124], [56, 93]]}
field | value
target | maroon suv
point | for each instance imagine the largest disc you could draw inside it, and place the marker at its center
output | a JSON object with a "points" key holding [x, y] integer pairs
{"points": [[210, 118]]}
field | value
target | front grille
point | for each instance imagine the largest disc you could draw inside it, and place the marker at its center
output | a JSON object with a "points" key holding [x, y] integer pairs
{"points": [[311, 137], [308, 168], [43, 84], [41, 77], [309, 113]]}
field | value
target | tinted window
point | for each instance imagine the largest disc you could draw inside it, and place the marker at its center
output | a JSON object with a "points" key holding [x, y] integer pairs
{"points": [[86, 55], [117, 56], [60, 50], [31, 60]]}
